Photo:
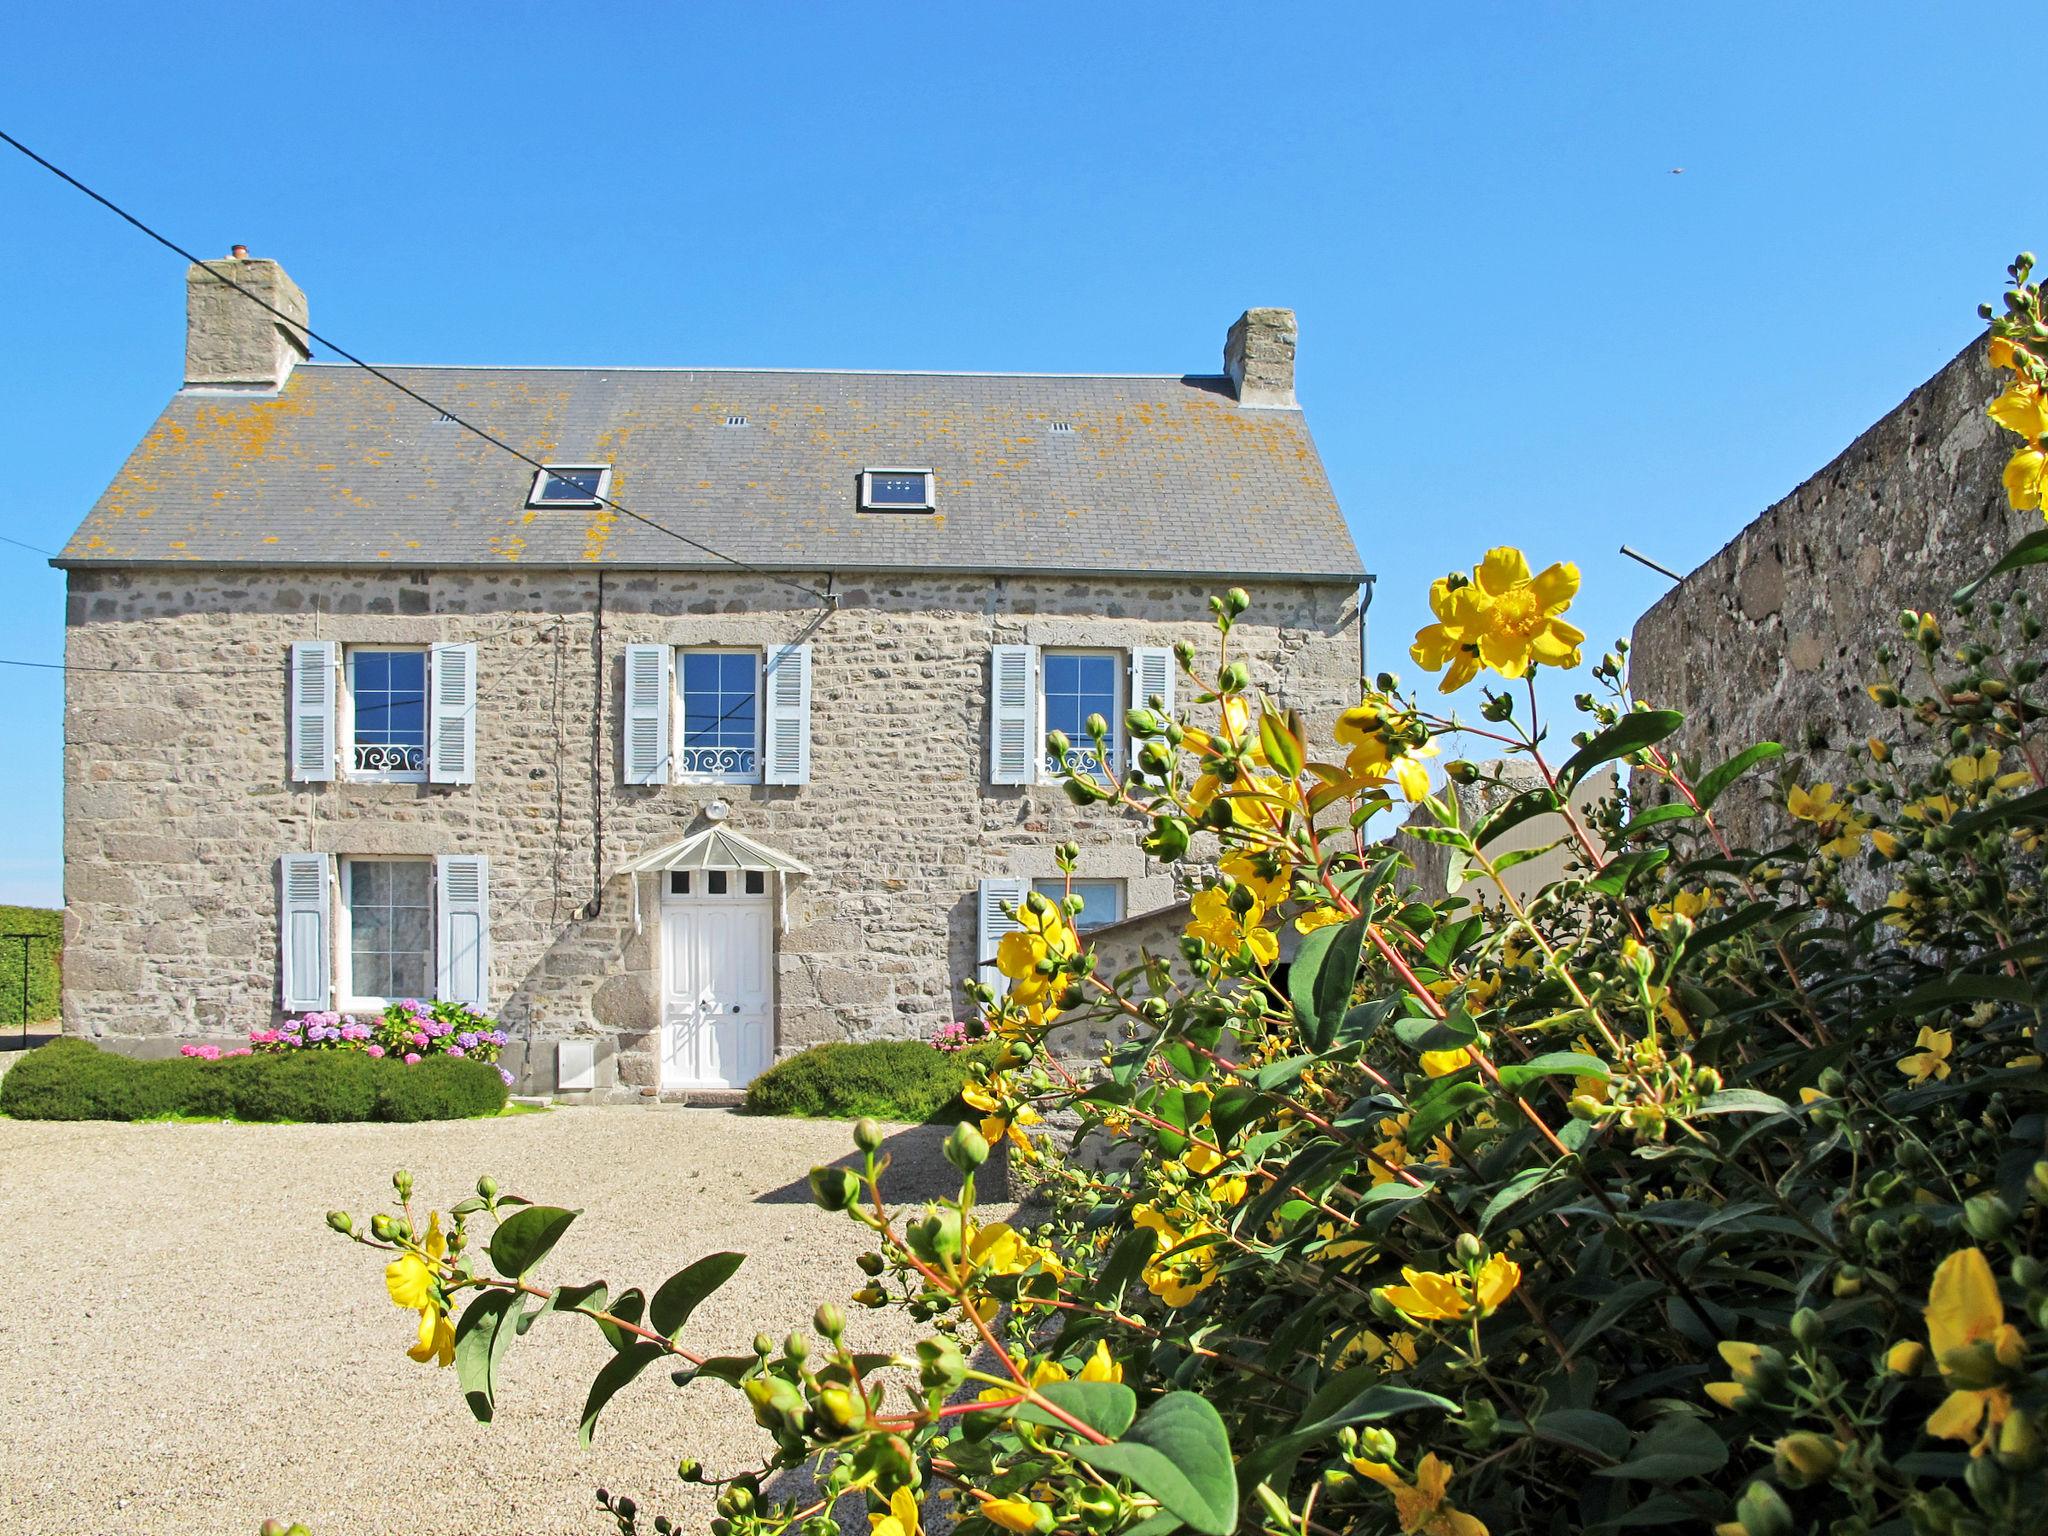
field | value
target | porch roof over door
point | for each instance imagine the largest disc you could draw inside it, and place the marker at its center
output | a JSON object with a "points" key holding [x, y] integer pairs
{"points": [[716, 847]]}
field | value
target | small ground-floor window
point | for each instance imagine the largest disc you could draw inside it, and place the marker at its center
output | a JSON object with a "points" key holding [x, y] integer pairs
{"points": [[389, 907], [1102, 901]]}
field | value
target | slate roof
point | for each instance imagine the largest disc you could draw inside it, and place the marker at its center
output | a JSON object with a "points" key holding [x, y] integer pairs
{"points": [[340, 469]]}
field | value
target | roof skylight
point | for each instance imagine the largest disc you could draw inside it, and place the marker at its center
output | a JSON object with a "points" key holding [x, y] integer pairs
{"points": [[570, 485], [896, 490]]}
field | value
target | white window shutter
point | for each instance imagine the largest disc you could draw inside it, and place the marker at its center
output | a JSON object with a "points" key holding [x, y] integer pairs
{"points": [[1013, 744], [462, 938], [786, 713], [314, 667], [451, 730], [648, 687], [1151, 673], [304, 924], [993, 922]]}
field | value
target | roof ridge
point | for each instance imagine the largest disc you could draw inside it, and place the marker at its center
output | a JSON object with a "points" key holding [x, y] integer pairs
{"points": [[912, 373]]}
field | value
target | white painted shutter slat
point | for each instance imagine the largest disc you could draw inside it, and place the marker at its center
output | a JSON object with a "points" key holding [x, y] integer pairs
{"points": [[462, 946], [1013, 746], [451, 734], [993, 922], [1151, 673], [304, 916], [314, 665], [646, 749], [787, 716]]}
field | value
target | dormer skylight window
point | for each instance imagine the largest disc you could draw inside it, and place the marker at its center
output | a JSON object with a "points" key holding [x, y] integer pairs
{"points": [[570, 485], [896, 490]]}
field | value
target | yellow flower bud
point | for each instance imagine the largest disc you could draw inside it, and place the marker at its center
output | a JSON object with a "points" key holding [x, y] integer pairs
{"points": [[1906, 1358]]}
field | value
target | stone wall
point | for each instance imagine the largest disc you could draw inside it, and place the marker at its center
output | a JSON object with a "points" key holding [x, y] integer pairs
{"points": [[178, 802], [1776, 637]]}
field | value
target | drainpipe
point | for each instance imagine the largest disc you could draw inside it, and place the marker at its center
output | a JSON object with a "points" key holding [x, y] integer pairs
{"points": [[1364, 633], [595, 906]]}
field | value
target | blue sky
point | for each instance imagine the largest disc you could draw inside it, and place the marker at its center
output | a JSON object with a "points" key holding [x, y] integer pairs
{"points": [[1516, 323]]}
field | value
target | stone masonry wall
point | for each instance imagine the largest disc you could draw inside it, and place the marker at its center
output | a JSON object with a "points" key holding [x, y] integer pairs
{"points": [[1776, 637], [178, 804]]}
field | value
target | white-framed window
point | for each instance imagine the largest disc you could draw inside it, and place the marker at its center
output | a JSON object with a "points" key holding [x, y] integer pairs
{"points": [[1102, 901], [718, 715], [570, 485], [384, 713], [387, 931], [1073, 685], [897, 490]]}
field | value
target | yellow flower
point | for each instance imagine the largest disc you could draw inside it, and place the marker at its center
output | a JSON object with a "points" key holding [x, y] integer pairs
{"points": [[1249, 869], [1999, 353], [1100, 1366], [1976, 768], [413, 1279], [901, 1518], [1937, 809], [1520, 627], [1906, 1358], [1215, 922], [1885, 843], [1742, 1361], [2022, 410], [1443, 1063], [999, 1249], [1452, 1297], [1931, 1060], [1011, 1514], [1420, 1506], [1201, 1160], [1453, 640], [1817, 805], [2026, 479], [1317, 917], [1967, 1331], [1176, 1280]]}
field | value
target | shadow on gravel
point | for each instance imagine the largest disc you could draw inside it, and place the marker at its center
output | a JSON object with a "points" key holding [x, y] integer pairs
{"points": [[918, 1170]]}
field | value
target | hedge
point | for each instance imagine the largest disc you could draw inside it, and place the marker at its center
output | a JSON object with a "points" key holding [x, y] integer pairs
{"points": [[76, 1080], [45, 956], [902, 1080]]}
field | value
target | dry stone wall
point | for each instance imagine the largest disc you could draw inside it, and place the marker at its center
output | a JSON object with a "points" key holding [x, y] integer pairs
{"points": [[1776, 637], [178, 803]]}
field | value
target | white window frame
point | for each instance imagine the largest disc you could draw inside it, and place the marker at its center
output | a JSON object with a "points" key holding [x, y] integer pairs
{"points": [[541, 477], [678, 725], [1055, 887], [1120, 670], [348, 1000], [346, 712], [867, 491]]}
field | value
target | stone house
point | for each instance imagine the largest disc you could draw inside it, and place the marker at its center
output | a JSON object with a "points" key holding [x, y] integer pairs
{"points": [[718, 735]]}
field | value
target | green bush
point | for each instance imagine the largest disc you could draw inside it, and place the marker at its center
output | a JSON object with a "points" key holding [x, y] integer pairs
{"points": [[904, 1080], [45, 956], [75, 1080]]}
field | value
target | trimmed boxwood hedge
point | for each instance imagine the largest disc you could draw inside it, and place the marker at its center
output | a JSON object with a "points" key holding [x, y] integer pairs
{"points": [[76, 1080], [903, 1080]]}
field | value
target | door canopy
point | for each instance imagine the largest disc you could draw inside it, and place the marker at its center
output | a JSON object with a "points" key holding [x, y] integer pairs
{"points": [[716, 848]]}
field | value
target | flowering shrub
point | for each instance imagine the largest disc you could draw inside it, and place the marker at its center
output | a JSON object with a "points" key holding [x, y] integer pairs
{"points": [[951, 1037], [211, 1052], [408, 1031], [1699, 1189]]}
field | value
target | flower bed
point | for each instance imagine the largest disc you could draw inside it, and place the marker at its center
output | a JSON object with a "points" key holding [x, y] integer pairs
{"points": [[409, 1031]]}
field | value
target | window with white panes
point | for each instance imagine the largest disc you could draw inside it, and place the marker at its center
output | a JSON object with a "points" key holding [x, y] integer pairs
{"points": [[385, 713], [1102, 901], [1074, 685], [720, 729], [388, 908]]}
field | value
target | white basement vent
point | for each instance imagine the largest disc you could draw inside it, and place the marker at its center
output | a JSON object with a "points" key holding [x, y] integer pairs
{"points": [[1061, 426], [735, 421], [575, 1065]]}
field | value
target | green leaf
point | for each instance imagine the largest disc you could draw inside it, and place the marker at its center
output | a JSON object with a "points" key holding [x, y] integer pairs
{"points": [[1321, 1422], [1515, 1189], [1615, 876], [1438, 1107], [2031, 550], [1126, 1262], [1742, 1101], [485, 1331], [1552, 1064], [619, 1370], [1711, 783], [1530, 802], [1233, 1108], [1278, 1074], [1583, 1429], [1655, 816], [1179, 1453], [1321, 980], [1677, 1445], [731, 1369], [628, 1306], [524, 1238], [567, 1298], [1631, 733], [1612, 1309], [681, 1291], [1107, 1407]]}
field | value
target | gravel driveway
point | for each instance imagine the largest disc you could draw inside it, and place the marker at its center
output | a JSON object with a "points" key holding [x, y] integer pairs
{"points": [[185, 1347]]}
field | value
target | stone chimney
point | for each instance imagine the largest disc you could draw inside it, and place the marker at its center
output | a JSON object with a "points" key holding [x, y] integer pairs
{"points": [[232, 343], [1259, 357]]}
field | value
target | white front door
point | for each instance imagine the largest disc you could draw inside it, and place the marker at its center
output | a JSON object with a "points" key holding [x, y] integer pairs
{"points": [[717, 988]]}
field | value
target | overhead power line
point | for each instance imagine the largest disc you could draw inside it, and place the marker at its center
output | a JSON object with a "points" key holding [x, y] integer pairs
{"points": [[826, 599], [34, 549]]}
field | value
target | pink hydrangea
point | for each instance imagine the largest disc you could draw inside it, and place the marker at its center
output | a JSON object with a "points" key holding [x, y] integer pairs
{"points": [[412, 1058], [373, 1050]]}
